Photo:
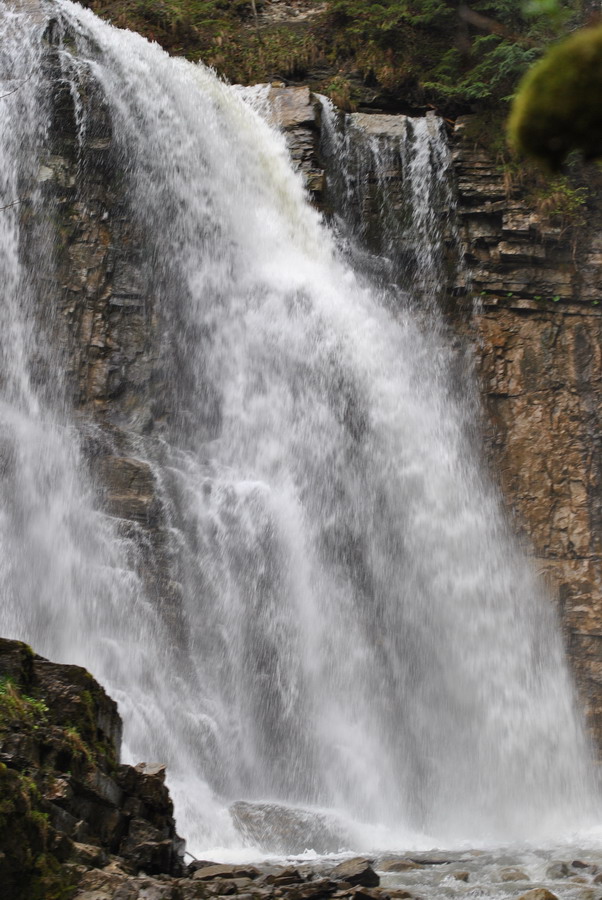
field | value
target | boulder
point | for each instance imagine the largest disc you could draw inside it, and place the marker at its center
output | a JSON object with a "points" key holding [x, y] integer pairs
{"points": [[398, 865], [558, 870], [199, 864], [356, 871], [282, 876], [292, 107], [89, 855], [538, 894], [584, 866], [512, 874], [287, 829], [312, 890], [16, 662], [215, 871], [363, 893]]}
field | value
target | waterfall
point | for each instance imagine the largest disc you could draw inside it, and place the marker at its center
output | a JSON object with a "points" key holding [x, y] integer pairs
{"points": [[357, 630], [389, 187]]}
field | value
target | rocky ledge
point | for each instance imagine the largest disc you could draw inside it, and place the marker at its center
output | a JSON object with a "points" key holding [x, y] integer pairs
{"points": [[66, 804]]}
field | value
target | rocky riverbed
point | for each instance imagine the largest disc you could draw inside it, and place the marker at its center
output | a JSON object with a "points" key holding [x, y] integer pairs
{"points": [[534, 875]]}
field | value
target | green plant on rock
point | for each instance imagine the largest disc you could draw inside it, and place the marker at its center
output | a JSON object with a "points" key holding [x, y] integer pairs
{"points": [[458, 54], [28, 870], [18, 709], [490, 73], [78, 745], [340, 92], [560, 200], [453, 55]]}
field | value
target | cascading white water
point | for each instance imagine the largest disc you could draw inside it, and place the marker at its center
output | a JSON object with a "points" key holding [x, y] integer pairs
{"points": [[362, 634], [392, 171]]}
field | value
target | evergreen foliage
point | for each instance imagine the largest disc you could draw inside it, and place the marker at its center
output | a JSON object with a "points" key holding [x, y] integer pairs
{"points": [[457, 54]]}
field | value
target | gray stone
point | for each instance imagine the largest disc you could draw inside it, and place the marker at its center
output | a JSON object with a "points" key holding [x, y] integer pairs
{"points": [[210, 873], [380, 125], [292, 106], [285, 829], [513, 874], [538, 894], [89, 855], [557, 870], [356, 871], [461, 876], [398, 865]]}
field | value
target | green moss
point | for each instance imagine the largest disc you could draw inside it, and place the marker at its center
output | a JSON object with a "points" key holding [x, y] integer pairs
{"points": [[51, 881], [561, 200], [446, 54], [28, 871], [79, 747], [340, 91], [250, 56], [557, 108], [82, 733], [18, 710]]}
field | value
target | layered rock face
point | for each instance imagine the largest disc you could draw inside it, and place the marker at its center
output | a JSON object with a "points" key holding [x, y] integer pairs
{"points": [[533, 317]]}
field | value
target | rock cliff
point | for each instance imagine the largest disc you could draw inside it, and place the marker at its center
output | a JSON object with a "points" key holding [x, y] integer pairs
{"points": [[533, 318]]}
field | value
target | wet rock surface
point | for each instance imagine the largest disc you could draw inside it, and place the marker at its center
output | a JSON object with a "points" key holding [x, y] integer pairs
{"points": [[357, 871], [284, 829], [296, 111]]}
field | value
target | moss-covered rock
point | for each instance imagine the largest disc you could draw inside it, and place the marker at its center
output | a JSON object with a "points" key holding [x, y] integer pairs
{"points": [[557, 108], [65, 804], [30, 867]]}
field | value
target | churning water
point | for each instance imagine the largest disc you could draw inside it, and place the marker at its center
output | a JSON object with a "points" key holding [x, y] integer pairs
{"points": [[358, 632]]}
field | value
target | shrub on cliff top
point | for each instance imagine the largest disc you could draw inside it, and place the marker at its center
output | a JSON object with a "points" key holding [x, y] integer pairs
{"points": [[423, 51], [457, 53]]}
